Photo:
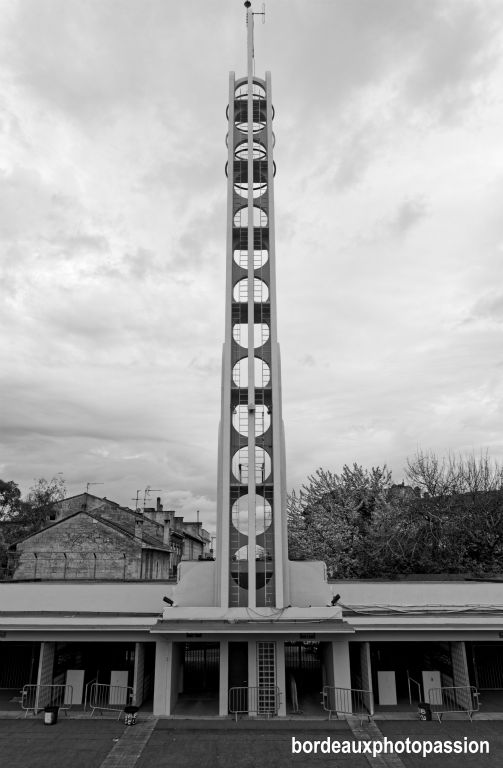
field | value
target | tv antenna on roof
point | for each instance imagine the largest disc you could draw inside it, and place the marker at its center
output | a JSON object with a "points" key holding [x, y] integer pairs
{"points": [[148, 491]]}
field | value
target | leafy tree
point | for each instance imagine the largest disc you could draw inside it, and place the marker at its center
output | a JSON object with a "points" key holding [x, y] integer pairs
{"points": [[441, 477], [10, 499], [40, 500], [21, 517], [329, 519], [363, 526]]}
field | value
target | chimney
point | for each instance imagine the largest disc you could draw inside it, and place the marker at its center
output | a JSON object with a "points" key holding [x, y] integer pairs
{"points": [[138, 528], [159, 505]]}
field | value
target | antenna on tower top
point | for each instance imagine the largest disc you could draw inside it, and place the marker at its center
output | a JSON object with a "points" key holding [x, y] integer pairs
{"points": [[257, 13], [249, 23]]}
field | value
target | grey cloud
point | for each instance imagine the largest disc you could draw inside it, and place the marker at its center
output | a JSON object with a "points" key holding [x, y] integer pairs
{"points": [[141, 264], [83, 243], [201, 234], [26, 203], [354, 157], [205, 365], [409, 213], [489, 307], [459, 48], [90, 58]]}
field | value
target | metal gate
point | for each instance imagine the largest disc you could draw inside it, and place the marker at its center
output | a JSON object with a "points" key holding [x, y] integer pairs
{"points": [[488, 666], [201, 666], [18, 664]]}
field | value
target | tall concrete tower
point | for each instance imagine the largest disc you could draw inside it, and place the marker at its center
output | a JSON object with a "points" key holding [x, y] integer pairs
{"points": [[252, 609], [251, 522]]}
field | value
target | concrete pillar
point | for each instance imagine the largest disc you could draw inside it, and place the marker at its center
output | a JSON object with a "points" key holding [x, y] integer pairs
{"points": [[460, 676], [336, 658], [138, 675], [280, 676], [162, 677], [223, 696], [45, 672], [252, 669], [366, 673], [341, 668]]}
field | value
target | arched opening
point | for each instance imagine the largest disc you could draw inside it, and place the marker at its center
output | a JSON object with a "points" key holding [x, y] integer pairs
{"points": [[240, 373], [260, 334], [259, 188], [240, 419], [259, 152], [260, 257], [241, 91], [241, 466], [260, 291], [259, 217]]}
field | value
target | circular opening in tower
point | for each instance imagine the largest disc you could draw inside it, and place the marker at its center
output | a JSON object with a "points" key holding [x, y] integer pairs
{"points": [[261, 554], [260, 334], [259, 217], [241, 91], [260, 291], [259, 188], [262, 372], [259, 152], [240, 514], [240, 419], [259, 257], [241, 465]]}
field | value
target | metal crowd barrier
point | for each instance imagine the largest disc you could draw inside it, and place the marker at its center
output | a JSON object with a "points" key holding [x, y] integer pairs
{"points": [[460, 698], [347, 701], [36, 697], [87, 691], [110, 698], [245, 700]]}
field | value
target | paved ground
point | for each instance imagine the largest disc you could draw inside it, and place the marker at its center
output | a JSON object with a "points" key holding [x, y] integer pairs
{"points": [[183, 744], [68, 744], [492, 731], [239, 748]]}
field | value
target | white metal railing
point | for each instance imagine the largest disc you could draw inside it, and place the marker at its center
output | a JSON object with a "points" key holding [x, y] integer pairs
{"points": [[256, 700], [454, 698], [419, 689], [87, 690], [347, 701], [109, 698], [36, 697]]}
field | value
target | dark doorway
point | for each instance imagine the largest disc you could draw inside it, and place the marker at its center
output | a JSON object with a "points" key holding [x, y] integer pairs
{"points": [[18, 664], [238, 665], [487, 665], [408, 660], [201, 665], [97, 659], [199, 681], [18, 667], [304, 678]]}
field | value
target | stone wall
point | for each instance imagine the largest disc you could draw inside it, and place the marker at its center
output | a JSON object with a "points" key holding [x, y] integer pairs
{"points": [[82, 503], [79, 547], [109, 510], [127, 518], [156, 564]]}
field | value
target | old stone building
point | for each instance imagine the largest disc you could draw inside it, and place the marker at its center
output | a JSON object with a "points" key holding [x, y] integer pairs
{"points": [[92, 538]]}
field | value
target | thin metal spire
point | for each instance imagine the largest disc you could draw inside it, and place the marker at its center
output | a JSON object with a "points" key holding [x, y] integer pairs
{"points": [[250, 40]]}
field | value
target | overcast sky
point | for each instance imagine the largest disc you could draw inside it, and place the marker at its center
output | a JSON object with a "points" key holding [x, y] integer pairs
{"points": [[389, 226]]}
